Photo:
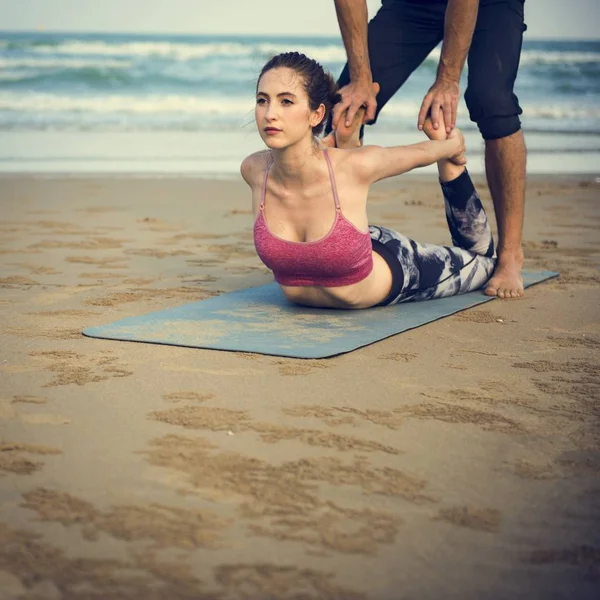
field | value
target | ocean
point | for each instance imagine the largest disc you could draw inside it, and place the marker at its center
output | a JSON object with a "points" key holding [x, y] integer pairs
{"points": [[156, 104]]}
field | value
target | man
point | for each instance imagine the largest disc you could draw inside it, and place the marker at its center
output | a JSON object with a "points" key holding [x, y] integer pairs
{"points": [[490, 32]]}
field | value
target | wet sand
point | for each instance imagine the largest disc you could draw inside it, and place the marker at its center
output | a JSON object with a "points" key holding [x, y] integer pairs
{"points": [[457, 460]]}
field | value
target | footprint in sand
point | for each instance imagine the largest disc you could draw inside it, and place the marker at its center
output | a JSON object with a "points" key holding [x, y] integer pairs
{"points": [[10, 412], [299, 367], [14, 457], [480, 519], [37, 269], [16, 281], [105, 262], [180, 396], [27, 399], [73, 368]]}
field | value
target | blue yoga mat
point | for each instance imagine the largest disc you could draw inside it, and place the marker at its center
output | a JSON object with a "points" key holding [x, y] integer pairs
{"points": [[261, 320]]}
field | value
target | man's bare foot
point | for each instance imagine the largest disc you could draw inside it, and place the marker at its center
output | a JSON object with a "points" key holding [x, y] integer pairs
{"points": [[506, 281]]}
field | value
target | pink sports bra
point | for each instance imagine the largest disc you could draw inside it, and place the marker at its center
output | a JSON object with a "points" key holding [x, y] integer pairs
{"points": [[343, 257]]}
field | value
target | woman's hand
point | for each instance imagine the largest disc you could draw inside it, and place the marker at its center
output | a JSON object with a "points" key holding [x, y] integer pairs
{"points": [[458, 157]]}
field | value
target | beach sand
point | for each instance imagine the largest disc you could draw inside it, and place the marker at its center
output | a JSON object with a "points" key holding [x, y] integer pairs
{"points": [[457, 460]]}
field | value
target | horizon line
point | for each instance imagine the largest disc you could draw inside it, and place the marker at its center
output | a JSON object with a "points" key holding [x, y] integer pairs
{"points": [[252, 34]]}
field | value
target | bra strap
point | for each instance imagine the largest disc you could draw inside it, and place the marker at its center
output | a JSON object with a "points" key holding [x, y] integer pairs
{"points": [[264, 185], [332, 179]]}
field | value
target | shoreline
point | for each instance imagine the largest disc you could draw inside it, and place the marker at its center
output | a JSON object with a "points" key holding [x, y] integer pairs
{"points": [[233, 177], [214, 154]]}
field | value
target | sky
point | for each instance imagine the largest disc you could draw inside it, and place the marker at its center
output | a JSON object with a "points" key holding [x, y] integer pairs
{"points": [[555, 19]]}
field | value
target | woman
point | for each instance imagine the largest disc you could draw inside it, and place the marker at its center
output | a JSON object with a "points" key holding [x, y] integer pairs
{"points": [[310, 203]]}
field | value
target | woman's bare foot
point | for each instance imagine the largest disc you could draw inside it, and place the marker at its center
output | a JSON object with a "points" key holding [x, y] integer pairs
{"points": [[349, 137], [440, 135], [346, 137], [435, 134], [448, 170]]}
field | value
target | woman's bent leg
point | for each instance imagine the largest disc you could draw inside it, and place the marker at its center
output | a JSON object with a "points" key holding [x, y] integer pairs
{"points": [[447, 271], [431, 271], [467, 221]]}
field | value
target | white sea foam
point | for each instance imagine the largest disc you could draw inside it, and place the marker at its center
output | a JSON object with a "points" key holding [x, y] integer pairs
{"points": [[336, 54], [173, 50], [61, 63], [323, 54], [122, 104], [557, 58], [230, 106], [331, 53], [546, 111]]}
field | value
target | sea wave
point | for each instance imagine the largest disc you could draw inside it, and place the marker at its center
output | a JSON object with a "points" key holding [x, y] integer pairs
{"points": [[172, 50], [333, 53], [109, 73], [60, 62], [147, 82], [573, 112], [32, 71], [328, 52], [231, 106], [124, 104], [538, 57], [233, 72]]}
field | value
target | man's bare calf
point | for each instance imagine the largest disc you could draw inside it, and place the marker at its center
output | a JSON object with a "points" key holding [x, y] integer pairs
{"points": [[505, 161]]}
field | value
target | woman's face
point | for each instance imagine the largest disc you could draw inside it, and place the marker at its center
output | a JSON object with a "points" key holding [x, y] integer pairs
{"points": [[282, 112]]}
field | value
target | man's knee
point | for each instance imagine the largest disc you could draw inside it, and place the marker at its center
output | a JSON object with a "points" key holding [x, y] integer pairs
{"points": [[494, 128], [496, 111]]}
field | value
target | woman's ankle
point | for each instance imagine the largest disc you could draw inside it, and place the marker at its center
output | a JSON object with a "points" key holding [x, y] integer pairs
{"points": [[448, 171]]}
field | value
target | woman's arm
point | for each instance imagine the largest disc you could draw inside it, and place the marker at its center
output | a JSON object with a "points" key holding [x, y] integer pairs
{"points": [[372, 163]]}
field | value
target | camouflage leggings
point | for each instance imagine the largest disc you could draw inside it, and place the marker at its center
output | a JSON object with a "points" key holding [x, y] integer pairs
{"points": [[426, 271]]}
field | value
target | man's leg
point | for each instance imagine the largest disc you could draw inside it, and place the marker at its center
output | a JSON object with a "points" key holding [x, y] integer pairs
{"points": [[401, 35], [493, 64], [505, 161]]}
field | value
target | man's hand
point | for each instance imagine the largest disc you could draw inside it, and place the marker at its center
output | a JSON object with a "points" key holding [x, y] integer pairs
{"points": [[355, 96], [442, 96]]}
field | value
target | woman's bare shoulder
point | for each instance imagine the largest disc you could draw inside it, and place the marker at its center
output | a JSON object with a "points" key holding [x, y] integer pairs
{"points": [[253, 166], [351, 161]]}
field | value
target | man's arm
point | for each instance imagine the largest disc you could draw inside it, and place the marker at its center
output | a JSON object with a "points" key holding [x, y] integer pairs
{"points": [[459, 25], [352, 16]]}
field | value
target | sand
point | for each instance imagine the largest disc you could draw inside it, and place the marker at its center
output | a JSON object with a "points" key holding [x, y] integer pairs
{"points": [[457, 460]]}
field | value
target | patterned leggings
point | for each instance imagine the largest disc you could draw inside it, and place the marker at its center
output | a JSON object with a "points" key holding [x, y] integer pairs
{"points": [[426, 271]]}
